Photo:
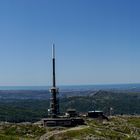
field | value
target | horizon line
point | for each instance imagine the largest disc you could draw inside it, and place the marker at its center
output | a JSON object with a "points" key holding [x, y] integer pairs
{"points": [[69, 85]]}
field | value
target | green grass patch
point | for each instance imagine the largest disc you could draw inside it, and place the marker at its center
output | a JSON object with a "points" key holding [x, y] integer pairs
{"points": [[135, 121], [14, 131]]}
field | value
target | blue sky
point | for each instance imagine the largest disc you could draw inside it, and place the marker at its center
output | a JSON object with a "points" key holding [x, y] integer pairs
{"points": [[97, 41]]}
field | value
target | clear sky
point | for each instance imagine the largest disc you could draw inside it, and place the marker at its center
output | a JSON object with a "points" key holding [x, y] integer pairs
{"points": [[97, 41]]}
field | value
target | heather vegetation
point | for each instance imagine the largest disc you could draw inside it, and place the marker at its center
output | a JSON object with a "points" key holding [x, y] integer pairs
{"points": [[117, 128], [124, 127], [11, 131]]}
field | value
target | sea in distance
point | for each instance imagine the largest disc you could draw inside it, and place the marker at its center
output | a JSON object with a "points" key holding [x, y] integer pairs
{"points": [[76, 87]]}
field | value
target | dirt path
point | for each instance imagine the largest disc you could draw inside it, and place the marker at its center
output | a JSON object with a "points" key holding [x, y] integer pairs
{"points": [[48, 135]]}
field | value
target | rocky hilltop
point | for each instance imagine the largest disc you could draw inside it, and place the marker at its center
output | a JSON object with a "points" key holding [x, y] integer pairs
{"points": [[117, 128]]}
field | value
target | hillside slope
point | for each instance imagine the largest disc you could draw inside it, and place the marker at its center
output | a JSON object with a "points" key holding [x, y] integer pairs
{"points": [[118, 128]]}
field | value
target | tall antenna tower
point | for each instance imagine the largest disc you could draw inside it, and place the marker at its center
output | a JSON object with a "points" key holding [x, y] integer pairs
{"points": [[54, 101], [54, 118]]}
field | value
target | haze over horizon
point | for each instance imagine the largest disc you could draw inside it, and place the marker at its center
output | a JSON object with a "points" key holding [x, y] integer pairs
{"points": [[97, 42]]}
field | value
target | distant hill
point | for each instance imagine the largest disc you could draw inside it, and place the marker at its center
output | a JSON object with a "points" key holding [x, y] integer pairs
{"points": [[121, 103], [31, 106]]}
